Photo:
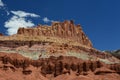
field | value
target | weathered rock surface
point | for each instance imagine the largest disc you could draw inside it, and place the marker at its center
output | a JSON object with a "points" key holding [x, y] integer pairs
{"points": [[62, 50], [52, 48], [66, 29], [54, 67], [115, 53]]}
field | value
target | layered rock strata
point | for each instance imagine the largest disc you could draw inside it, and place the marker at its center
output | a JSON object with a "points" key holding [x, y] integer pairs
{"points": [[66, 30], [54, 65]]}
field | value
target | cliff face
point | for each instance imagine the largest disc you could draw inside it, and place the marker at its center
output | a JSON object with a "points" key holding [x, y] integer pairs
{"points": [[52, 67], [66, 30], [61, 50], [115, 53]]}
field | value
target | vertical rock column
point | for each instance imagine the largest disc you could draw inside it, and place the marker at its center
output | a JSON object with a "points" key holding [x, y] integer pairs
{"points": [[72, 29]]}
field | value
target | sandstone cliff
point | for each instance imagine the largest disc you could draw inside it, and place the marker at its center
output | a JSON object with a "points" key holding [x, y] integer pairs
{"points": [[54, 67], [115, 53], [65, 30], [61, 50]]}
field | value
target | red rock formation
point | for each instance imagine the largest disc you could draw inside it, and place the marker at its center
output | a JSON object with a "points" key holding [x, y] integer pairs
{"points": [[67, 29], [56, 66]]}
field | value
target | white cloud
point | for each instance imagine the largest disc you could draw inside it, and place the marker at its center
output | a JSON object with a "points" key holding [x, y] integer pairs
{"points": [[19, 20], [46, 20], [3, 7], [24, 14], [1, 3], [15, 22]]}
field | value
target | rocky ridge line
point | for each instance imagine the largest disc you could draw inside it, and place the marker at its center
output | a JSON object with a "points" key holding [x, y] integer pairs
{"points": [[64, 30]]}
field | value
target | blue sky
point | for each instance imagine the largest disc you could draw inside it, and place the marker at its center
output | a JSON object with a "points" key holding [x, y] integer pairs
{"points": [[100, 19]]}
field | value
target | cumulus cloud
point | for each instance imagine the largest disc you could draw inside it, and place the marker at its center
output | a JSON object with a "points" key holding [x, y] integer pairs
{"points": [[19, 20], [1, 3], [15, 22], [24, 14], [46, 20]]}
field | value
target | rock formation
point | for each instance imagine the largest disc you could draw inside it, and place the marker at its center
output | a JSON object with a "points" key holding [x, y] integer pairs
{"points": [[54, 66], [66, 29], [61, 50], [115, 53]]}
